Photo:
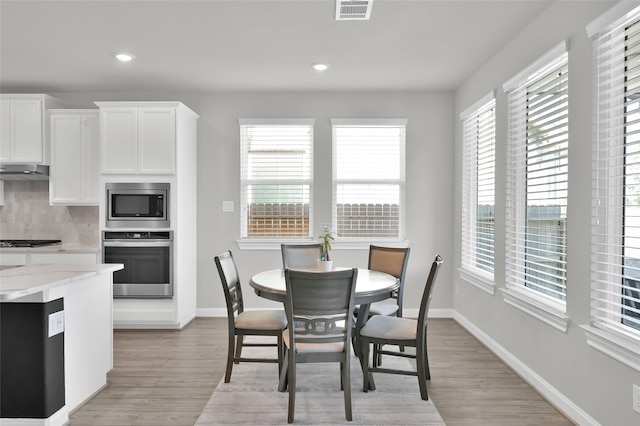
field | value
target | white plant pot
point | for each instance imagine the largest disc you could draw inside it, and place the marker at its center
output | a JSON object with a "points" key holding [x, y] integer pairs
{"points": [[325, 265]]}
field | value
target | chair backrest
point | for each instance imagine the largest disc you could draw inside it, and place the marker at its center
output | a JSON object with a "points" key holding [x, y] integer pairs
{"points": [[300, 256], [230, 283], [426, 295], [392, 260], [320, 304]]}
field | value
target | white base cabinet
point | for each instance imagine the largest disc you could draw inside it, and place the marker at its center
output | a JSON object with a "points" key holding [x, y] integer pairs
{"points": [[87, 326], [74, 174], [24, 130]]}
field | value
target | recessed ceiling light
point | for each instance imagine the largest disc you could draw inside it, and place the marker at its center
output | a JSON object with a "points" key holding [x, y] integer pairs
{"points": [[124, 57], [320, 67]]}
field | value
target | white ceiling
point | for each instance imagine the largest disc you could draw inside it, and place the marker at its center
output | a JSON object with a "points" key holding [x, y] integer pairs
{"points": [[212, 45]]}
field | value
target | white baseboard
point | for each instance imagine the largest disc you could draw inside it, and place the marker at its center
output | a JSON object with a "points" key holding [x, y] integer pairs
{"points": [[551, 394], [433, 313], [146, 325], [211, 312]]}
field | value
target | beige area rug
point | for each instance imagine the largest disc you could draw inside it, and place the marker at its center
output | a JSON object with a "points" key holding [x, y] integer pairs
{"points": [[252, 397]]}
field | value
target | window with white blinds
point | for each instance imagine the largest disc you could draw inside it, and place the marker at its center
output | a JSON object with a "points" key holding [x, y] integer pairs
{"points": [[369, 178], [478, 187], [537, 166], [615, 273], [276, 181]]}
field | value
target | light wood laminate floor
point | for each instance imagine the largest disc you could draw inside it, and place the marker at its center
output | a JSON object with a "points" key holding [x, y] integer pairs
{"points": [[166, 378]]}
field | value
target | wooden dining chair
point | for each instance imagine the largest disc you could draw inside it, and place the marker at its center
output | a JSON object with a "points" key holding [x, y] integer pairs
{"points": [[383, 330], [320, 304], [247, 323], [393, 261], [300, 256]]}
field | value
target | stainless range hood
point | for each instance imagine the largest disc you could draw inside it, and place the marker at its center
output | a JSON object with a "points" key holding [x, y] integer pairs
{"points": [[24, 172]]}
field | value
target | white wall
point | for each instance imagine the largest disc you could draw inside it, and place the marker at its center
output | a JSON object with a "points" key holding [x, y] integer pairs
{"points": [[429, 183], [429, 189], [587, 384]]}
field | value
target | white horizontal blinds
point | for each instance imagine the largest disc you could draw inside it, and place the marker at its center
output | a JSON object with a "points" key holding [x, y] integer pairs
{"points": [[537, 178], [616, 178], [478, 188], [369, 178], [276, 177]]}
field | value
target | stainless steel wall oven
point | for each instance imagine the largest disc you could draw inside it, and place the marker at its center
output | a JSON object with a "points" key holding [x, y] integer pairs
{"points": [[148, 263]]}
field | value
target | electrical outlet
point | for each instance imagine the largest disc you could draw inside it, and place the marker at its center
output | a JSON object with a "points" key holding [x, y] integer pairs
{"points": [[636, 398], [56, 323]]}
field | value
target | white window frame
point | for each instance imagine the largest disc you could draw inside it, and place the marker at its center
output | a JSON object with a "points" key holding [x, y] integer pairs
{"points": [[364, 242], [469, 272], [607, 33], [274, 242], [545, 308]]}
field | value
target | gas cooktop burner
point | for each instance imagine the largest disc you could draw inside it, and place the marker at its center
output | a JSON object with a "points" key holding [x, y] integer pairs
{"points": [[28, 243]]}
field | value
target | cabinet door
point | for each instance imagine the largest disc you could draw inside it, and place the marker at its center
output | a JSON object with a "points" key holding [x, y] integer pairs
{"points": [[65, 181], [27, 130], [119, 140], [157, 140], [5, 130], [91, 159]]}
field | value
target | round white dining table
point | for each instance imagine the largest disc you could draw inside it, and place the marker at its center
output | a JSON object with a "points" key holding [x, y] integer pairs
{"points": [[371, 286]]}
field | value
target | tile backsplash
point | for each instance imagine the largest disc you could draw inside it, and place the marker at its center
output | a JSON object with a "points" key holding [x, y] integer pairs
{"points": [[26, 214]]}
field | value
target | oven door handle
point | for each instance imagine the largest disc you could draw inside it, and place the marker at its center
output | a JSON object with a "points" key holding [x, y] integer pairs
{"points": [[137, 244]]}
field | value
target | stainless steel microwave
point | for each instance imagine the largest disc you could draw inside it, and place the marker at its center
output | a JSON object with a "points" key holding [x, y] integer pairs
{"points": [[137, 205]]}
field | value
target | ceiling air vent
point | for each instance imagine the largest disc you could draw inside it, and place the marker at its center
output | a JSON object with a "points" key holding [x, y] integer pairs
{"points": [[353, 10]]}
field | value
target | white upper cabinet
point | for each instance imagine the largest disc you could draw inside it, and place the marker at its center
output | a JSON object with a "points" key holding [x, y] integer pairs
{"points": [[75, 170], [138, 137], [157, 140], [24, 128]]}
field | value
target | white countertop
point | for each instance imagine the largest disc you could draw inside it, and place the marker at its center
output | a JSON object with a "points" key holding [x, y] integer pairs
{"points": [[20, 281]]}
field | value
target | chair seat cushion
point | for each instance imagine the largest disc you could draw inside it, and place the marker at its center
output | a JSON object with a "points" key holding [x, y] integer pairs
{"points": [[386, 307], [313, 347], [390, 328], [262, 320]]}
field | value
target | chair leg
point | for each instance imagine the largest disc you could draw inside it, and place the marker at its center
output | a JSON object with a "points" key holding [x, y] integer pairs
{"points": [[346, 379], [420, 368], [284, 378], [354, 345], [399, 315], [280, 350], [377, 356], [239, 342], [230, 350], [365, 362], [291, 371], [427, 372]]}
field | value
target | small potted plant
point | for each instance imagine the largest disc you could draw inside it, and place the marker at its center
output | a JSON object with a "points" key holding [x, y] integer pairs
{"points": [[325, 263]]}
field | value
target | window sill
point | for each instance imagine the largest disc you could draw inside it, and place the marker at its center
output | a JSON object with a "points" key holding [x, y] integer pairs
{"points": [[618, 346], [546, 310], [270, 244], [476, 278], [360, 244]]}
